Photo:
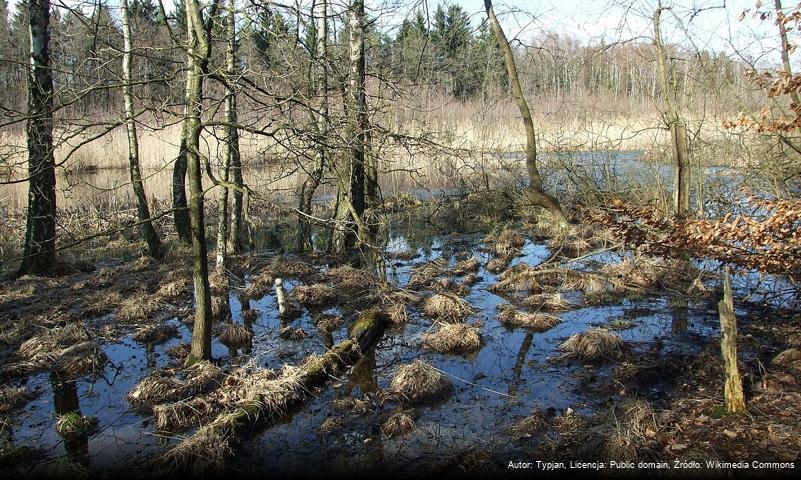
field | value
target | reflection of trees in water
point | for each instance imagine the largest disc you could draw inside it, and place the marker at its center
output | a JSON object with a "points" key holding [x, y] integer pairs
{"points": [[364, 382], [517, 370], [679, 309], [65, 400]]}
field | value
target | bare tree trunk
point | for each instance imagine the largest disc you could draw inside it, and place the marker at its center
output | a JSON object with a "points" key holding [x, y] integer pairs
{"points": [[40, 232], [785, 51], [199, 47], [148, 230], [733, 389], [183, 224], [676, 125], [533, 192], [321, 84]]}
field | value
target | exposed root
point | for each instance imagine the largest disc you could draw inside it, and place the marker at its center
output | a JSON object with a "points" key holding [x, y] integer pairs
{"points": [[453, 338], [447, 308], [419, 382], [595, 345], [547, 302], [158, 333], [313, 295], [538, 322], [235, 335], [398, 424], [164, 386]]}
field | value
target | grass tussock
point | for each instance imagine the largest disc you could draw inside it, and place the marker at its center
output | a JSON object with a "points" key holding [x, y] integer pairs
{"points": [[447, 285], [529, 426], [292, 333], [327, 323], [453, 338], [158, 333], [168, 386], [179, 351], [313, 295], [633, 428], [498, 265], [594, 345], [174, 290], [139, 307], [235, 335], [348, 280], [84, 358], [471, 279], [423, 276], [538, 322], [570, 245], [12, 397], [547, 302], [466, 266], [74, 424], [70, 351], [220, 308], [447, 308], [260, 285], [399, 424], [419, 382], [507, 243], [520, 278]]}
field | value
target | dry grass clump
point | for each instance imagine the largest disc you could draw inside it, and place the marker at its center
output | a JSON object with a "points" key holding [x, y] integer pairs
{"points": [[12, 397], [594, 345], [250, 315], [164, 386], [447, 285], [348, 280], [53, 340], [497, 265], [220, 308], [520, 278], [453, 338], [466, 266], [158, 333], [179, 351], [633, 431], [570, 245], [538, 322], [313, 295], [235, 335], [260, 285], [447, 308], [139, 307], [398, 424], [638, 274], [332, 424], [71, 351], [548, 302], [470, 279], [288, 267], [403, 255], [424, 275], [327, 323], [292, 333], [74, 424], [218, 283], [508, 243], [86, 357], [172, 290], [529, 426], [419, 382]]}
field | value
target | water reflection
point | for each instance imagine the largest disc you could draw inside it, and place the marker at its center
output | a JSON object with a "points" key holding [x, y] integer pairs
{"points": [[65, 401]]}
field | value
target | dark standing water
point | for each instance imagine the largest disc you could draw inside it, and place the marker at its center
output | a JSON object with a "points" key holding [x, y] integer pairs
{"points": [[512, 375]]}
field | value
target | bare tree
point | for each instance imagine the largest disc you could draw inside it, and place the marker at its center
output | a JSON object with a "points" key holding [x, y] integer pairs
{"points": [[40, 232], [534, 192]]}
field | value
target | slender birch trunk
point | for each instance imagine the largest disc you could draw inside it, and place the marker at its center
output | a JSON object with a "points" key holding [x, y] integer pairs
{"points": [[40, 231], [148, 230]]}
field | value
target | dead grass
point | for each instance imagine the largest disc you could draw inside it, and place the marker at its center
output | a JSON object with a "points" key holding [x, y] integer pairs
{"points": [[74, 424], [538, 322], [348, 280], [466, 266], [547, 302], [220, 308], [447, 285], [520, 278], [453, 338], [260, 285], [398, 424], [158, 333], [498, 265], [424, 275], [419, 382], [633, 428], [327, 323], [139, 307], [447, 308], [570, 245], [313, 295], [166, 386], [292, 333], [235, 335], [470, 279], [81, 359], [529, 426], [179, 351], [507, 243], [594, 345], [12, 397], [71, 351]]}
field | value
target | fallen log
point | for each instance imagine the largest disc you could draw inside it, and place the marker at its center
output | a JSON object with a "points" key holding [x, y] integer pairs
{"points": [[206, 450]]}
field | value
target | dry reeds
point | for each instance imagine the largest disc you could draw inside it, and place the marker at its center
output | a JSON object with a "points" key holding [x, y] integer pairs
{"points": [[470, 279], [569, 245], [158, 333], [447, 308], [419, 382], [235, 335], [86, 357], [313, 295], [594, 345], [220, 308], [179, 351], [538, 322], [398, 424], [508, 243], [260, 285], [521, 278], [139, 307], [164, 386], [453, 338]]}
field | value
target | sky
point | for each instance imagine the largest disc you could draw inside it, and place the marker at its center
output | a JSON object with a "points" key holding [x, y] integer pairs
{"points": [[710, 25]]}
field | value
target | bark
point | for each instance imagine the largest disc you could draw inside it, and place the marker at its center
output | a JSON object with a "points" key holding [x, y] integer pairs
{"points": [[676, 126], [321, 84], [183, 223], [785, 51], [534, 192], [733, 388], [143, 211], [227, 429], [199, 47], [234, 245], [40, 232]]}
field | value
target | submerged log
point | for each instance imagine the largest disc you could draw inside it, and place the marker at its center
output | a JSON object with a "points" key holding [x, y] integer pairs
{"points": [[211, 445], [733, 389]]}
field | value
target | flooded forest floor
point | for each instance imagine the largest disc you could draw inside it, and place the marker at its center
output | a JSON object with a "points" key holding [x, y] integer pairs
{"points": [[523, 342]]}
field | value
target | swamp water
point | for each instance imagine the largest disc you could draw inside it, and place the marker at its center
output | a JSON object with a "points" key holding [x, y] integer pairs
{"points": [[513, 374]]}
